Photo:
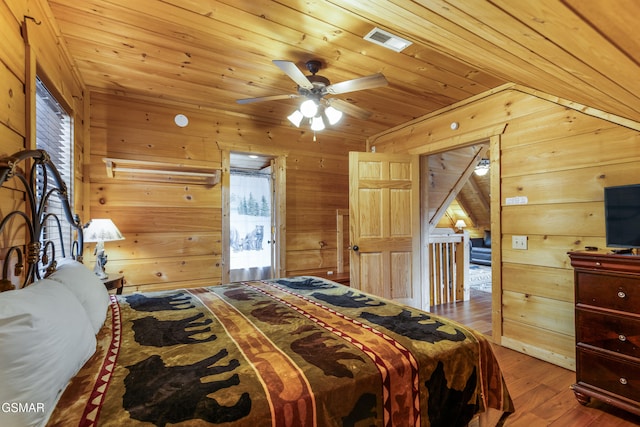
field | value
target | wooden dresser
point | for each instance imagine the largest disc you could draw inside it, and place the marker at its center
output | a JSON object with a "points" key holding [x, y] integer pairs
{"points": [[607, 304]]}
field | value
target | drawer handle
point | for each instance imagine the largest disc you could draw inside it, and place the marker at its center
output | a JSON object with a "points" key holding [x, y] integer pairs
{"points": [[621, 294], [598, 264], [623, 381], [622, 338]]}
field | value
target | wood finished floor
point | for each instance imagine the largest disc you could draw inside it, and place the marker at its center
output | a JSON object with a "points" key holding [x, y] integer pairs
{"points": [[540, 391]]}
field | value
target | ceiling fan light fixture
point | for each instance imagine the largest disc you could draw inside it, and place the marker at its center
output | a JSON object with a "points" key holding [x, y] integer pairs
{"points": [[317, 123], [333, 115], [309, 108], [316, 111], [482, 168], [295, 118]]}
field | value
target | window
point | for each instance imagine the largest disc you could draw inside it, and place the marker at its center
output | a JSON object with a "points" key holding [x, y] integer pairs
{"points": [[54, 133]]}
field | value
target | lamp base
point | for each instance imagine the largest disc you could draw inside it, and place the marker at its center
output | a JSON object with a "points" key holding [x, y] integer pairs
{"points": [[101, 260]]}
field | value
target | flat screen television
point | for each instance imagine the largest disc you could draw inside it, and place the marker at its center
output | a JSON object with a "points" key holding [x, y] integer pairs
{"points": [[622, 216]]}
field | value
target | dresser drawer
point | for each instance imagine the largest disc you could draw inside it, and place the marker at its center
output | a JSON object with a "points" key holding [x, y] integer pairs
{"points": [[610, 374], [620, 334], [611, 291]]}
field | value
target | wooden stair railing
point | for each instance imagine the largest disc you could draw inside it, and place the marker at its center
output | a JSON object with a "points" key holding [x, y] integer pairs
{"points": [[448, 267]]}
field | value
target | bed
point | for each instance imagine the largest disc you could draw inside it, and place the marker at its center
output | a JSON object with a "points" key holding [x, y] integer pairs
{"points": [[298, 351]]}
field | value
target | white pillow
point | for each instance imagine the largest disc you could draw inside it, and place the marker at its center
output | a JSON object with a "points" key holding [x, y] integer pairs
{"points": [[87, 288], [45, 338]]}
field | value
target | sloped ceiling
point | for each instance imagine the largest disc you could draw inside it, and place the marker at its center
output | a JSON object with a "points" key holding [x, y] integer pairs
{"points": [[451, 173], [210, 53]]}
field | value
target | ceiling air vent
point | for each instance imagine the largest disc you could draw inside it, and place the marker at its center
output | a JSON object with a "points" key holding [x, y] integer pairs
{"points": [[386, 39]]}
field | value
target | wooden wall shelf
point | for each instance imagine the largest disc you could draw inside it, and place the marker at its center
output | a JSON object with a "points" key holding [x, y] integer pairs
{"points": [[161, 171]]}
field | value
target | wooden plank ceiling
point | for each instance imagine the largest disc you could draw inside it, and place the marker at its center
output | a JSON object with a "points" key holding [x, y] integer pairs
{"points": [[210, 53]]}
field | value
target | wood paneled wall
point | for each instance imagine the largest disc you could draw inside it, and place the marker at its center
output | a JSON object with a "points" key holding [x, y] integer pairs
{"points": [[316, 187], [13, 123], [173, 230], [560, 159], [12, 83]]}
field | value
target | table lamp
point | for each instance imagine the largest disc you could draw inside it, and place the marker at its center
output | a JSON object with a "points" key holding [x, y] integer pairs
{"points": [[100, 231], [460, 225]]}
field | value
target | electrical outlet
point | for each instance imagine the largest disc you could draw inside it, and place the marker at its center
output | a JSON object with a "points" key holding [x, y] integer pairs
{"points": [[519, 242]]}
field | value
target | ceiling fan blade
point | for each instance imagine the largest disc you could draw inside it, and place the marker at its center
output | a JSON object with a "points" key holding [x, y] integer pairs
{"points": [[294, 73], [348, 108], [266, 98], [368, 82]]}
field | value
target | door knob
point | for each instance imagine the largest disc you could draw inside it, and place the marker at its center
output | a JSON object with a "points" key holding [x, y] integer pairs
{"points": [[355, 248]]}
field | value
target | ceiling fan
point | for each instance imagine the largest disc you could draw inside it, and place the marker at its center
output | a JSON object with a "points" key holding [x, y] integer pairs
{"points": [[315, 88]]}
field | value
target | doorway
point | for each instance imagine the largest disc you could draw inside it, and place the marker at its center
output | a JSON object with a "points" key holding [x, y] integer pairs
{"points": [[457, 207], [251, 216]]}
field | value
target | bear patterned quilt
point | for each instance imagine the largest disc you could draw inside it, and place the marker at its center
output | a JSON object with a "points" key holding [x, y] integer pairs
{"points": [[300, 351]]}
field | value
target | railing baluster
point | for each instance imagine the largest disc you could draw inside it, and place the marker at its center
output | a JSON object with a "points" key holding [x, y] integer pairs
{"points": [[447, 267]]}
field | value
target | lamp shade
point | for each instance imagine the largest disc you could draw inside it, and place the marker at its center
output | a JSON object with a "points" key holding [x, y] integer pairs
{"points": [[309, 108], [333, 115], [460, 223], [295, 118], [317, 123], [102, 230], [482, 168]]}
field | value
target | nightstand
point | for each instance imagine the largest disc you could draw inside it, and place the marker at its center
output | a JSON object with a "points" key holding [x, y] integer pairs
{"points": [[115, 281], [342, 278]]}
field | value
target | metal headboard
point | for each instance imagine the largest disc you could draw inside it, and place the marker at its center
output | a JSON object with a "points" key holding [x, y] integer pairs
{"points": [[40, 183]]}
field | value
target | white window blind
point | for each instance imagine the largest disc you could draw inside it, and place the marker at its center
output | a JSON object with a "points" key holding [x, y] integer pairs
{"points": [[54, 133]]}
